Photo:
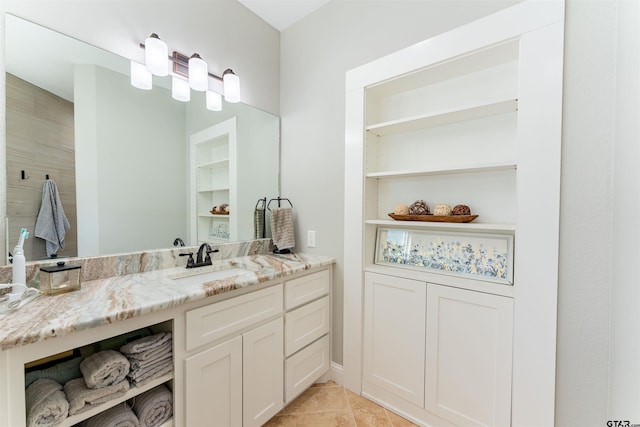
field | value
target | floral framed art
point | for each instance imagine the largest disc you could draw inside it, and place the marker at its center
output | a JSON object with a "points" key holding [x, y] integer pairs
{"points": [[474, 255]]}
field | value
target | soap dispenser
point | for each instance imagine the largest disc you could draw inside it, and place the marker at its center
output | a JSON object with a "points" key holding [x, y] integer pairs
{"points": [[19, 262]]}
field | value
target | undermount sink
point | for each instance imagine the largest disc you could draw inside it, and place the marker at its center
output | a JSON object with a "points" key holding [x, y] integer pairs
{"points": [[208, 276]]}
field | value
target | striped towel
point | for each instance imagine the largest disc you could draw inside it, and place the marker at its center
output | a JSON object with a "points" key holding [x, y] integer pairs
{"points": [[52, 224], [282, 228]]}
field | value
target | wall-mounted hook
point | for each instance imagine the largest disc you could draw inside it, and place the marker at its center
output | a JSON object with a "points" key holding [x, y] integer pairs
{"points": [[47, 176], [23, 175]]}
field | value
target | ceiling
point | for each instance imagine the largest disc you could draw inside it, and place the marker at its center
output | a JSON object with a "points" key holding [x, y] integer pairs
{"points": [[283, 13]]}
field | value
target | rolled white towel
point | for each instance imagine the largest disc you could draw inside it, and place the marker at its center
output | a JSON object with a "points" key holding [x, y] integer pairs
{"points": [[104, 368], [81, 397], [154, 407], [46, 403], [118, 416]]}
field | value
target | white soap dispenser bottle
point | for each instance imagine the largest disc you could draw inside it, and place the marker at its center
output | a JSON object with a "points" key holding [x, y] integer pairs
{"points": [[19, 261]]}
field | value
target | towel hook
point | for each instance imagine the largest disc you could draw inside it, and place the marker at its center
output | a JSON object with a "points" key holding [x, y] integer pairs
{"points": [[279, 199], [23, 175]]}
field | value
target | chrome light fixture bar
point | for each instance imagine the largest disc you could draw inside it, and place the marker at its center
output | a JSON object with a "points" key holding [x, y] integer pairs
{"points": [[188, 73]]}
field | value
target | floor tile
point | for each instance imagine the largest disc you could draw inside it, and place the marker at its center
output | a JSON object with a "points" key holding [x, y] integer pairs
{"points": [[330, 405]]}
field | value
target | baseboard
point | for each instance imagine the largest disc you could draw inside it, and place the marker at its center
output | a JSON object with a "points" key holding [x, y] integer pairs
{"points": [[333, 374]]}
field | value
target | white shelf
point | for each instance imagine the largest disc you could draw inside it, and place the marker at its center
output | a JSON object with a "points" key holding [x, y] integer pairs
{"points": [[443, 117], [214, 164], [469, 226], [134, 391], [446, 171], [211, 190], [213, 216]]}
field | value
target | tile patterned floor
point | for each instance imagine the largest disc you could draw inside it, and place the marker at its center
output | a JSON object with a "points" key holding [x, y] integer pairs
{"points": [[329, 405]]}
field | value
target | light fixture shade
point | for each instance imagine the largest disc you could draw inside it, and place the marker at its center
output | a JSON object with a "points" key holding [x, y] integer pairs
{"points": [[198, 73], [140, 76], [180, 90], [214, 101], [231, 86], [156, 55]]}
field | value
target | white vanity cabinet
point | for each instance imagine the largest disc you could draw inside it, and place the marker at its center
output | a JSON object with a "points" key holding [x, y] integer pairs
{"points": [[306, 329], [13, 362], [238, 381], [229, 353]]}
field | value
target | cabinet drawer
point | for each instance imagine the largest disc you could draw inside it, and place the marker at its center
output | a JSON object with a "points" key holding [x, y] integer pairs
{"points": [[306, 324], [305, 289], [305, 367], [212, 322]]}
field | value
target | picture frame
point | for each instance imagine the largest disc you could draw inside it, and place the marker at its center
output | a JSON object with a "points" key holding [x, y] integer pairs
{"points": [[480, 256], [219, 229]]}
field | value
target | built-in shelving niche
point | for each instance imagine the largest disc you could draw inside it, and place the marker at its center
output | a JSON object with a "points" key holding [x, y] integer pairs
{"points": [[113, 343]]}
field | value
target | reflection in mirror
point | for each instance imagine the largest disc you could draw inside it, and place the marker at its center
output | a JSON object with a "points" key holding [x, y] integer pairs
{"points": [[121, 157]]}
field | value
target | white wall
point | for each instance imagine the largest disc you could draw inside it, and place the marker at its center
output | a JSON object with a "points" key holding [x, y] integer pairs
{"points": [[624, 379], [317, 51]]}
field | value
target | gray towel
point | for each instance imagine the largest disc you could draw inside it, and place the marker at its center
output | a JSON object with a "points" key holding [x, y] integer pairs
{"points": [[146, 343], [104, 368], [154, 407], [52, 224], [141, 377], [81, 397], [46, 403], [258, 223], [118, 416], [282, 228], [61, 372], [151, 354], [138, 365]]}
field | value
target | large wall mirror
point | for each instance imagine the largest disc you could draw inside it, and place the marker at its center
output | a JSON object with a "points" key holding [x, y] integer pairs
{"points": [[121, 157]]}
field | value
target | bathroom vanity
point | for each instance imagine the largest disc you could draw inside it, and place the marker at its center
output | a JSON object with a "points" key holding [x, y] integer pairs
{"points": [[250, 333]]}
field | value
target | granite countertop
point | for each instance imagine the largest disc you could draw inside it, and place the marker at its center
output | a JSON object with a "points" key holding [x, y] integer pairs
{"points": [[105, 301]]}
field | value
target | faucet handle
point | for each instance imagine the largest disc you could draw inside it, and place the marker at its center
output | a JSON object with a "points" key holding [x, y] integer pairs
{"points": [[208, 257], [190, 261]]}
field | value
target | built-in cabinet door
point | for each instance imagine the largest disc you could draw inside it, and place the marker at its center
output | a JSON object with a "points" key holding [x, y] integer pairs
{"points": [[263, 373], [394, 336], [469, 346], [214, 392]]}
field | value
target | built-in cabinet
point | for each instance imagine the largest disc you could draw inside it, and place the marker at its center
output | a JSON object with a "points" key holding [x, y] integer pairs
{"points": [[441, 348], [468, 357], [469, 117], [231, 364]]}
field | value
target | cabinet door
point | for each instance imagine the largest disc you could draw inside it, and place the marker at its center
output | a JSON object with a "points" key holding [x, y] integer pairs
{"points": [[263, 373], [213, 395], [469, 347], [394, 336]]}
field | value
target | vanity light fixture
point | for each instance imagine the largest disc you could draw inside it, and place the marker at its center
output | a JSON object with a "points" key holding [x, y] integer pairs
{"points": [[214, 101], [231, 86], [140, 76], [156, 53], [180, 89], [194, 70], [198, 73]]}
